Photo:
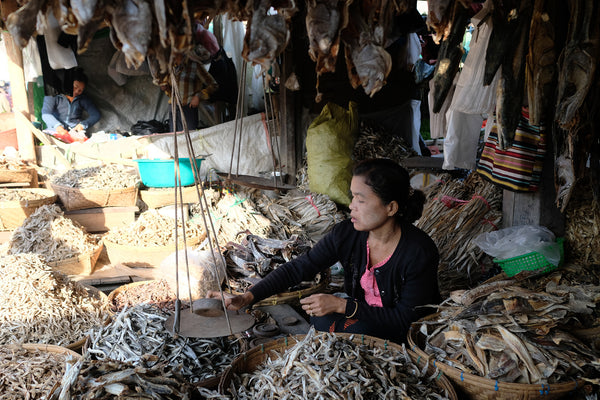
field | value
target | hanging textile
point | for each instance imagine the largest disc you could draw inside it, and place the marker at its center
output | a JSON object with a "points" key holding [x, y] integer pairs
{"points": [[462, 139], [519, 167]]}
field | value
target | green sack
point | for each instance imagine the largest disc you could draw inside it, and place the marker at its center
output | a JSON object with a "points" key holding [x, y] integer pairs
{"points": [[329, 144]]}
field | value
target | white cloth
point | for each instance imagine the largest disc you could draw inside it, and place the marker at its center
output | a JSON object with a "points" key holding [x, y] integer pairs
{"points": [[462, 138], [470, 95], [58, 56], [437, 121], [415, 106]]}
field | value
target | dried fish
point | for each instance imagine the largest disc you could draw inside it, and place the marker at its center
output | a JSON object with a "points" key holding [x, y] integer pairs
{"points": [[39, 305], [29, 373], [101, 177], [50, 234], [91, 379], [157, 292], [138, 335], [326, 366], [21, 195], [153, 229], [375, 142], [513, 334]]}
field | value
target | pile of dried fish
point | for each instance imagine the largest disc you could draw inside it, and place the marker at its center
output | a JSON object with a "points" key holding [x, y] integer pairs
{"points": [[582, 226], [13, 164], [21, 195], [327, 366], [255, 257], [49, 233], [153, 229], [90, 379], [578, 281], [157, 292], [138, 335], [454, 214], [101, 177], [374, 141], [232, 213], [29, 373], [39, 305], [508, 333]]}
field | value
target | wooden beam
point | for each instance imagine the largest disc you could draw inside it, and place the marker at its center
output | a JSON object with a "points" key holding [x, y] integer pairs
{"points": [[19, 95]]}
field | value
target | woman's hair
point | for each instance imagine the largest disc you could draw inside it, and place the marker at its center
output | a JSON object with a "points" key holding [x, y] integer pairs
{"points": [[389, 181], [79, 75]]}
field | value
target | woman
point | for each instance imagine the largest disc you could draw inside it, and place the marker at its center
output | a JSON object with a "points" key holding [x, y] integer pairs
{"points": [[390, 266]]}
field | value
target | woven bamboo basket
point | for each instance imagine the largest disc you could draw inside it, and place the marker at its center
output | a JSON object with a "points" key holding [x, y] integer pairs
{"points": [[251, 359], [479, 388], [124, 288], [13, 213], [145, 257], [23, 175], [293, 297], [82, 264], [79, 199], [95, 292], [166, 196]]}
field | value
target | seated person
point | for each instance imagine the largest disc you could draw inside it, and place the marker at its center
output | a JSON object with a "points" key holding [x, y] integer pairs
{"points": [[64, 113], [390, 266]]}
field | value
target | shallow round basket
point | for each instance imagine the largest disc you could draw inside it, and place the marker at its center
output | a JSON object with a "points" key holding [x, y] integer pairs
{"points": [[293, 297], [14, 212], [145, 257], [124, 288], [79, 199], [479, 388], [95, 292], [251, 359], [82, 264]]}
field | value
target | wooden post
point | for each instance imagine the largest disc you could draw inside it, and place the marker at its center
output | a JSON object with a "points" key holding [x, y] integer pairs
{"points": [[287, 120], [19, 95]]}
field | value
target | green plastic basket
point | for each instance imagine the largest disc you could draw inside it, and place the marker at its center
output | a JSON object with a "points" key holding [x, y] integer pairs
{"points": [[533, 261]]}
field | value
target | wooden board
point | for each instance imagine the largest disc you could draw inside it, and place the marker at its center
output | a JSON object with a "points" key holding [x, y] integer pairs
{"points": [[103, 219]]}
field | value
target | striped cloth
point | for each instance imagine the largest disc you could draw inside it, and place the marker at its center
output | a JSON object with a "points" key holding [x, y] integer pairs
{"points": [[519, 167]]}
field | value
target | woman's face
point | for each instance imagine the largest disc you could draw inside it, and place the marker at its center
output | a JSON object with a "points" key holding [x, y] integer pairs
{"points": [[78, 88], [367, 211]]}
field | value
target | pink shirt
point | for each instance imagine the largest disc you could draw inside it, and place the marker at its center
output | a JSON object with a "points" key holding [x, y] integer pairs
{"points": [[369, 284]]}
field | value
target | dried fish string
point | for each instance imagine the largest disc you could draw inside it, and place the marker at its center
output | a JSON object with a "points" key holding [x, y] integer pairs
{"points": [[100, 177], [39, 305], [29, 373], [153, 229], [49, 233]]}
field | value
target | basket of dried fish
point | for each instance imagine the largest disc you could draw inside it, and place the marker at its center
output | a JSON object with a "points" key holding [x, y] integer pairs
{"points": [[160, 197], [532, 261], [155, 292], [31, 370], [40, 305], [18, 204], [139, 335], [101, 186], [333, 365], [63, 243], [149, 240], [19, 175]]}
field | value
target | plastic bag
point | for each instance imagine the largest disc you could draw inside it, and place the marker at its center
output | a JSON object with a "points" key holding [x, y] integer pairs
{"points": [[203, 273], [329, 144], [518, 240], [141, 128]]}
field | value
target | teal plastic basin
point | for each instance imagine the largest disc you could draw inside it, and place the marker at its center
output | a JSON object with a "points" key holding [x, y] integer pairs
{"points": [[161, 173]]}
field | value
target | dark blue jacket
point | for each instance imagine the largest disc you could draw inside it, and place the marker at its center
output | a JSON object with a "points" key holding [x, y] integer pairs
{"points": [[407, 280], [58, 110]]}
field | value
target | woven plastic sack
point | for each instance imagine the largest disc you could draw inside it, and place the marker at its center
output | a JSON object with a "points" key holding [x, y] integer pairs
{"points": [[329, 144]]}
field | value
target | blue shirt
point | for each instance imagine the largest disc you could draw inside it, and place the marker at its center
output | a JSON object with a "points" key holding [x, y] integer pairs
{"points": [[58, 110]]}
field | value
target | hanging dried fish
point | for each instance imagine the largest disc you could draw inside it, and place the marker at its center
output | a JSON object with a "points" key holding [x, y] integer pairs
{"points": [[331, 367], [48, 233], [101, 177], [29, 373], [39, 305]]}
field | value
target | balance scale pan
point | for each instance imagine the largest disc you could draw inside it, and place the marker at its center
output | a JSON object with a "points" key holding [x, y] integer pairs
{"points": [[194, 325]]}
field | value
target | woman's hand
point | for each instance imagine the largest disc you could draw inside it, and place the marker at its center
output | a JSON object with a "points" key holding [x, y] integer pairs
{"points": [[232, 302], [320, 304]]}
